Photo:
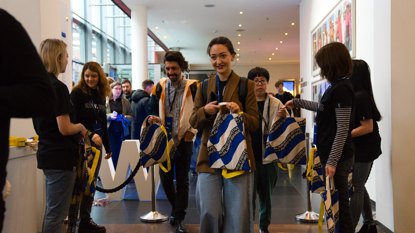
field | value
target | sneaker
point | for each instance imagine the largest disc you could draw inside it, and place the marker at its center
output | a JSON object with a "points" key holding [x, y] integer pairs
{"points": [[90, 226]]}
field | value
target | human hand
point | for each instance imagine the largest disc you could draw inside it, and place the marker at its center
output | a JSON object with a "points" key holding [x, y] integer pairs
{"points": [[108, 155], [188, 136], [233, 107], [114, 115], [282, 113], [154, 119], [96, 139], [330, 170], [211, 108], [289, 104]]}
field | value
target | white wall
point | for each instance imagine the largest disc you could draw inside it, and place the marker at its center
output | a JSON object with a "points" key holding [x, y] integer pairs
{"points": [[402, 50], [42, 19], [373, 46]]}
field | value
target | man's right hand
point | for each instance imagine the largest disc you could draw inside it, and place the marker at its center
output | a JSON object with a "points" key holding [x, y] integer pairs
{"points": [[97, 139], [154, 119]]}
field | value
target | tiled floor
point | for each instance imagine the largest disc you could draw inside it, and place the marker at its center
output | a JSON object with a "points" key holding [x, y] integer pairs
{"points": [[289, 199]]}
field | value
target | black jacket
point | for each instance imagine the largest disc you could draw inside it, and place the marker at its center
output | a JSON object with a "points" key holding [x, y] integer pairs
{"points": [[139, 104]]}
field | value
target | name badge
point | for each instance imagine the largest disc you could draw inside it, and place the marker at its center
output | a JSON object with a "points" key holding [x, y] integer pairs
{"points": [[169, 123]]}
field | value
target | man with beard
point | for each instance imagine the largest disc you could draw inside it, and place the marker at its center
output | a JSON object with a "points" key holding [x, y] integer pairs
{"points": [[171, 104], [127, 90]]}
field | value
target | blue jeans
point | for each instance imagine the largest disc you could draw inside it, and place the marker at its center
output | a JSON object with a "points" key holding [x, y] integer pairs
{"points": [[360, 200], [225, 205], [59, 186]]}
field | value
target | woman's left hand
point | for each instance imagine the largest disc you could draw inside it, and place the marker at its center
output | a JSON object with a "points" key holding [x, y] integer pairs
{"points": [[330, 170], [233, 107], [188, 136], [108, 155]]}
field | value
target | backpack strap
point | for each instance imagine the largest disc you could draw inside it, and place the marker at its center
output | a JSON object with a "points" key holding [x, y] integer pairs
{"points": [[243, 91]]}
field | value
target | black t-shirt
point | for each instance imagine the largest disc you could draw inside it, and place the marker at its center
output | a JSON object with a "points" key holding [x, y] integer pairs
{"points": [[258, 135], [89, 109], [367, 147], [55, 150], [338, 95]]}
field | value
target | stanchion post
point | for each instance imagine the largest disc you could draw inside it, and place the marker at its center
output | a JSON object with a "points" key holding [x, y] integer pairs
{"points": [[153, 216], [309, 216]]}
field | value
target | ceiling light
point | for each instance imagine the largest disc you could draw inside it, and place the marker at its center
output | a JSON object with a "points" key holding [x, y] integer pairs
{"points": [[286, 33], [237, 59], [269, 58], [241, 12], [280, 41], [273, 54], [156, 27], [292, 24], [276, 48], [239, 35], [237, 54], [238, 49], [240, 25], [239, 42], [164, 37]]}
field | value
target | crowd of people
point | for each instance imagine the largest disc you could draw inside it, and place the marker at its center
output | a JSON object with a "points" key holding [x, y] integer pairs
{"points": [[106, 114]]}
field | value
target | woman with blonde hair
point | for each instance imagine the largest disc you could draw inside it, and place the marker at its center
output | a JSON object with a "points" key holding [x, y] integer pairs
{"points": [[58, 139], [88, 99]]}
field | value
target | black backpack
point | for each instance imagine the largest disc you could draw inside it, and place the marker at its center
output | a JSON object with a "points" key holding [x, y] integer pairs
{"points": [[242, 92]]}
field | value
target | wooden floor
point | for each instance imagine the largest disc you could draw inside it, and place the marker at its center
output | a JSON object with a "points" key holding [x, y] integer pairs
{"points": [[194, 228]]}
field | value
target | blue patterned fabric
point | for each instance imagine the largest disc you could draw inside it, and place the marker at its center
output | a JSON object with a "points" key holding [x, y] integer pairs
{"points": [[227, 145], [285, 142], [331, 203], [315, 172], [156, 145]]}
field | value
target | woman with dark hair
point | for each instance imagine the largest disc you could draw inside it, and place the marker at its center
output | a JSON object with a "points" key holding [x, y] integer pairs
{"points": [[366, 140], [88, 99], [334, 113], [224, 204]]}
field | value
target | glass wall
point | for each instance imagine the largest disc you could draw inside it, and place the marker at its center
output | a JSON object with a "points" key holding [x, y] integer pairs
{"points": [[102, 33]]}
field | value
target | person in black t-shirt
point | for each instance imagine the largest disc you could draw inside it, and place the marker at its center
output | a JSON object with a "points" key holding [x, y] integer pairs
{"points": [[88, 99], [334, 123], [58, 139], [282, 95], [366, 140], [25, 89]]}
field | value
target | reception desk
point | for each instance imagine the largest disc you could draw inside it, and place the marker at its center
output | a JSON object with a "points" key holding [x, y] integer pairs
{"points": [[25, 205]]}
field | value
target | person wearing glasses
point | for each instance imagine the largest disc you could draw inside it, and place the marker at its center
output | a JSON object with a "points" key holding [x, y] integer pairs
{"points": [[265, 175], [224, 204]]}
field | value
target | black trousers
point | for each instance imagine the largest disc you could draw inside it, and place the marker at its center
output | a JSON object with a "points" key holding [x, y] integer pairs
{"points": [[3, 163], [178, 196]]}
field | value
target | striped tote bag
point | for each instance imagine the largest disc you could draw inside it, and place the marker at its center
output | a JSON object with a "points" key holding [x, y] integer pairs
{"points": [[156, 146], [285, 141], [226, 146]]}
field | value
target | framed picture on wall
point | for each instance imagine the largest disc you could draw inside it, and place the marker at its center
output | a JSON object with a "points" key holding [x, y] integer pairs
{"points": [[337, 26]]}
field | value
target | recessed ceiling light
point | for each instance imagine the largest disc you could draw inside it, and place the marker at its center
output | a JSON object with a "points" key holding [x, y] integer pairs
{"points": [[209, 5], [165, 37], [240, 25], [276, 48], [237, 59], [273, 54], [241, 12], [269, 58], [280, 41], [286, 33], [292, 24], [238, 49], [237, 54], [239, 35], [239, 42], [157, 27]]}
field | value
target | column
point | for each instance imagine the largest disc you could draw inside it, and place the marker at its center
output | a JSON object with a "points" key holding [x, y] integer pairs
{"points": [[139, 67]]}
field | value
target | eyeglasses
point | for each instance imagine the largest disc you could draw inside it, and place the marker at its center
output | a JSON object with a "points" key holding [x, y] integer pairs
{"points": [[222, 56], [260, 82]]}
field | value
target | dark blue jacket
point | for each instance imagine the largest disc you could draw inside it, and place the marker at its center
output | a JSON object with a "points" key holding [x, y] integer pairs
{"points": [[139, 104]]}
